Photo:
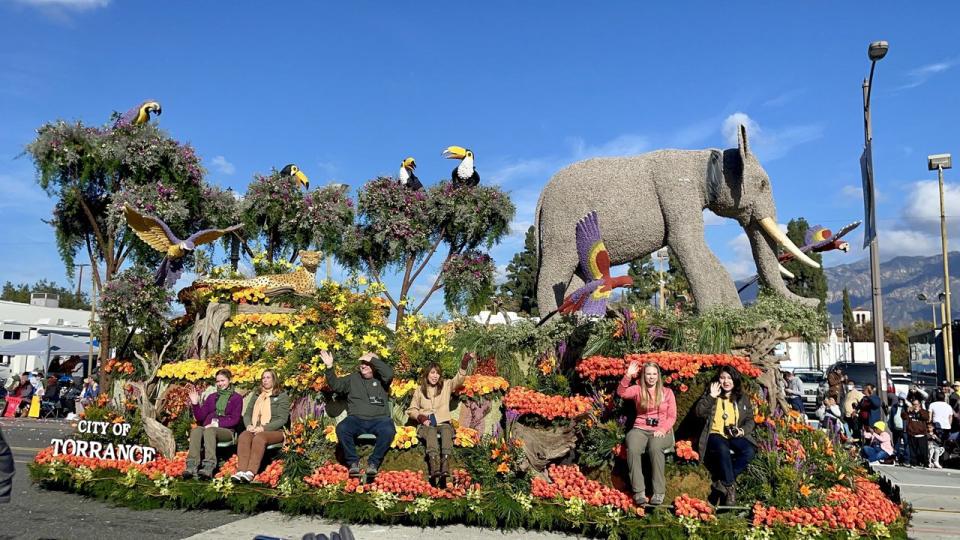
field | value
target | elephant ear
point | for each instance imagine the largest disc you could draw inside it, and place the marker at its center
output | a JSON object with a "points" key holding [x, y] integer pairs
{"points": [[742, 142]]}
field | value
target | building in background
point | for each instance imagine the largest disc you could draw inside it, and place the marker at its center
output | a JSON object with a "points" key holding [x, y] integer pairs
{"points": [[41, 317], [798, 354]]}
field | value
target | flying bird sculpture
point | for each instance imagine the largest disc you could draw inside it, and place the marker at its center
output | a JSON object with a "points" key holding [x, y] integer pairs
{"points": [[591, 298], [158, 235], [293, 170], [139, 114]]}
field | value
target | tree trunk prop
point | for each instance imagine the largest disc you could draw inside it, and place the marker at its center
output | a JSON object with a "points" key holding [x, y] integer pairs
{"points": [[206, 332], [542, 446], [473, 414], [757, 343], [160, 436]]}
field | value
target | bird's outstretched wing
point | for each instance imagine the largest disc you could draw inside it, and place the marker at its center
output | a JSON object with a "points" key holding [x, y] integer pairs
{"points": [[209, 235], [578, 298], [594, 259], [128, 117], [846, 229], [151, 230]]}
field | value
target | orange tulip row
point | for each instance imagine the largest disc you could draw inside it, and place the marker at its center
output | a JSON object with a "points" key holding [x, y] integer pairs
{"points": [[152, 469], [527, 401], [568, 482], [680, 365], [271, 475], [692, 507], [844, 509]]}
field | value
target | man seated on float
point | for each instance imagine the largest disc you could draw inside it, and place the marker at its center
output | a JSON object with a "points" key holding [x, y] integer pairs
{"points": [[652, 431], [216, 419], [726, 443], [368, 409], [265, 417]]}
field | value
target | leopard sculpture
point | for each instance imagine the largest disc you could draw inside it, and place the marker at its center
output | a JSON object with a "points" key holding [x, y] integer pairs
{"points": [[302, 281]]}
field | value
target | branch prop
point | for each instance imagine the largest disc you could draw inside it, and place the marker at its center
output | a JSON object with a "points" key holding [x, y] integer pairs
{"points": [[436, 283], [376, 276], [433, 249], [94, 225]]}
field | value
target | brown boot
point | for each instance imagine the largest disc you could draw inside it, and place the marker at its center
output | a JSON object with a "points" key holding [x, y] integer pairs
{"points": [[206, 469], [433, 468], [444, 470], [191, 470], [730, 495]]}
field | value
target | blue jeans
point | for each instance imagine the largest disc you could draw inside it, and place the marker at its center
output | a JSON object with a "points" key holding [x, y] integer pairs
{"points": [[873, 453], [723, 465], [351, 426]]}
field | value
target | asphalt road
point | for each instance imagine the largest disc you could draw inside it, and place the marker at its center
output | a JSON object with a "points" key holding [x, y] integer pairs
{"points": [[935, 496], [34, 513]]}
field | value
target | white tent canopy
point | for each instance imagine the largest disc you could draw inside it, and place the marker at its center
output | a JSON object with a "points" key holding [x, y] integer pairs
{"points": [[48, 346]]}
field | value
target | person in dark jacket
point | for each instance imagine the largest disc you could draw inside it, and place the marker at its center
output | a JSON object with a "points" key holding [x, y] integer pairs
{"points": [[265, 417], [217, 419], [871, 410], [726, 443], [368, 409], [916, 420], [6, 470]]}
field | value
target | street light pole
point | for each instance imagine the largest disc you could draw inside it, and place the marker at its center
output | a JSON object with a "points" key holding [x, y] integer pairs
{"points": [[876, 51], [941, 162]]}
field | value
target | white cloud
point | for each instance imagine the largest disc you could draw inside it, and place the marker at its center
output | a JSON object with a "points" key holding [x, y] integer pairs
{"points": [[77, 5], [624, 145], [768, 144], [922, 74], [500, 274], [894, 243], [222, 165], [921, 212], [784, 98], [711, 220]]}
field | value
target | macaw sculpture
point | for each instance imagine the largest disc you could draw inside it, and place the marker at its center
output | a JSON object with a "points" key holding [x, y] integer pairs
{"points": [[139, 114], [158, 235]]}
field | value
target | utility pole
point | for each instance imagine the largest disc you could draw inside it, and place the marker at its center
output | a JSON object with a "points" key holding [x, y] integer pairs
{"points": [[79, 279], [939, 162]]}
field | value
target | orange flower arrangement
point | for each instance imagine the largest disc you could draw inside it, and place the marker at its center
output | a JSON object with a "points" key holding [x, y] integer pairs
{"points": [[466, 437], [411, 484], [152, 469], [527, 401], [228, 468], [475, 386], [327, 475], [685, 451], [681, 365], [687, 506], [596, 367], [844, 509], [568, 482], [114, 365], [271, 475]]}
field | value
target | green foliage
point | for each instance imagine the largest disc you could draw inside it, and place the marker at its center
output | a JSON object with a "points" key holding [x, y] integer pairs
{"points": [[135, 309], [519, 291], [646, 280], [808, 282], [68, 299], [467, 282], [848, 323], [596, 444]]}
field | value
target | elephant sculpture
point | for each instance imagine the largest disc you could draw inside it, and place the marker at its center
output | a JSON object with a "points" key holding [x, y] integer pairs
{"points": [[657, 199]]}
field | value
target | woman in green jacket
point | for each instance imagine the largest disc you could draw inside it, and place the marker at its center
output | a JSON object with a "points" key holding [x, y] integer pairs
{"points": [[265, 417]]}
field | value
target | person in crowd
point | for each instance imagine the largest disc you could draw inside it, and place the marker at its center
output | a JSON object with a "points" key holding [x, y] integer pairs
{"points": [[368, 409], [871, 409], [726, 443], [265, 416], [51, 392], [652, 431], [68, 394], [917, 392], [430, 409], [25, 392], [830, 416], [216, 417], [6, 470], [934, 447], [898, 403], [851, 403], [877, 442], [941, 415], [14, 384], [793, 391], [835, 383], [916, 419]]}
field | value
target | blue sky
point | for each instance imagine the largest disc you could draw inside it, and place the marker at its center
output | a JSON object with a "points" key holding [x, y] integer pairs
{"points": [[347, 90]]}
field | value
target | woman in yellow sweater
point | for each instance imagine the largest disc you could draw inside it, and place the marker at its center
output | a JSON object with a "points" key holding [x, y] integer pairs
{"points": [[430, 409]]}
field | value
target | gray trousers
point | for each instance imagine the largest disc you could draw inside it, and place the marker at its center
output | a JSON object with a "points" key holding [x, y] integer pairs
{"points": [[208, 436], [640, 441], [429, 436]]}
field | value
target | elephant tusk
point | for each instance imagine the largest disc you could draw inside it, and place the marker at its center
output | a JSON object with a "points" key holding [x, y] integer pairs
{"points": [[786, 273], [770, 227]]}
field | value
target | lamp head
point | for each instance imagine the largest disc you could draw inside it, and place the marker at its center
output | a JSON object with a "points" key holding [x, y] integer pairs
{"points": [[942, 297], [942, 161], [922, 297], [877, 50]]}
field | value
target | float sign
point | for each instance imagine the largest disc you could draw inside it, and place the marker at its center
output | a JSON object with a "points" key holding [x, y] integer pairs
{"points": [[103, 450]]}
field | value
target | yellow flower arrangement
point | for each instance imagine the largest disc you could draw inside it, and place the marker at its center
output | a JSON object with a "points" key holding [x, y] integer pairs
{"points": [[406, 437], [482, 385], [466, 437], [400, 387], [330, 434]]}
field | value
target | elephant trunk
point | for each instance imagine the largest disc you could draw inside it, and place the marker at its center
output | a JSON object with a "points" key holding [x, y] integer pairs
{"points": [[768, 268]]}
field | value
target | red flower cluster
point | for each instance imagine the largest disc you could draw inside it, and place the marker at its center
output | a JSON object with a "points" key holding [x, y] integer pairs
{"points": [[685, 451], [692, 507], [411, 484], [228, 468], [271, 475], [793, 448], [569, 482], [487, 366], [687, 365], [114, 365], [596, 367], [527, 401], [161, 465], [328, 474], [844, 509]]}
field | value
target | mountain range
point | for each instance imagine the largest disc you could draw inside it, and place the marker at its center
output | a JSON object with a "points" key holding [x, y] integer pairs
{"points": [[901, 280]]}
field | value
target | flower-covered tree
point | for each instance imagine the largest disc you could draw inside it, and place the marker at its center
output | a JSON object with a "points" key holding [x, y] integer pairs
{"points": [[132, 305], [285, 219], [400, 229]]}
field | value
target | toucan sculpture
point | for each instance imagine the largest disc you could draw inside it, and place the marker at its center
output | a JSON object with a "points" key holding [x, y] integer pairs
{"points": [[158, 235], [293, 170], [139, 114], [466, 173], [406, 176]]}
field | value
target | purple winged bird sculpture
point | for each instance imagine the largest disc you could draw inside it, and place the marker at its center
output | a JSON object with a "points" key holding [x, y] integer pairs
{"points": [[157, 235], [139, 114], [594, 269]]}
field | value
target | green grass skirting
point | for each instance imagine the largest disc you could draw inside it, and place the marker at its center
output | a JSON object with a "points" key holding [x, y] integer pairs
{"points": [[492, 509]]}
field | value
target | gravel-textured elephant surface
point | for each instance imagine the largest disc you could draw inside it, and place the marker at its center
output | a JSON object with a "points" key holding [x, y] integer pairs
{"points": [[657, 199]]}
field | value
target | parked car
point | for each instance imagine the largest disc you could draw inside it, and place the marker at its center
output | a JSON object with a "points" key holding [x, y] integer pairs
{"points": [[898, 382], [811, 380], [860, 373]]}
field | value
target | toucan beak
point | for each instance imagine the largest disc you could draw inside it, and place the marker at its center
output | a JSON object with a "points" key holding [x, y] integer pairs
{"points": [[455, 152], [302, 178]]}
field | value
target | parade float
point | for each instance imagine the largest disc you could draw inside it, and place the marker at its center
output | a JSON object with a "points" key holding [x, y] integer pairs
{"points": [[539, 440]]}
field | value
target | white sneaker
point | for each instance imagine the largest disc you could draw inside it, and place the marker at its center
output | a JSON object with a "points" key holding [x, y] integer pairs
{"points": [[237, 476], [248, 476]]}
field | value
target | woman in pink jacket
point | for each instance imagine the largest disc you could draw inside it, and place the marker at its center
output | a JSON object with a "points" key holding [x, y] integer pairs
{"points": [[652, 431]]}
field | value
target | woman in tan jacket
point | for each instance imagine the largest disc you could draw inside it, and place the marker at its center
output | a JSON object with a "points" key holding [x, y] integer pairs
{"points": [[430, 409]]}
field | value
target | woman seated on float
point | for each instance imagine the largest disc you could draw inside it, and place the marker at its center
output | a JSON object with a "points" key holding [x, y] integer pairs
{"points": [[726, 443], [265, 417], [430, 409], [652, 431], [216, 419]]}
